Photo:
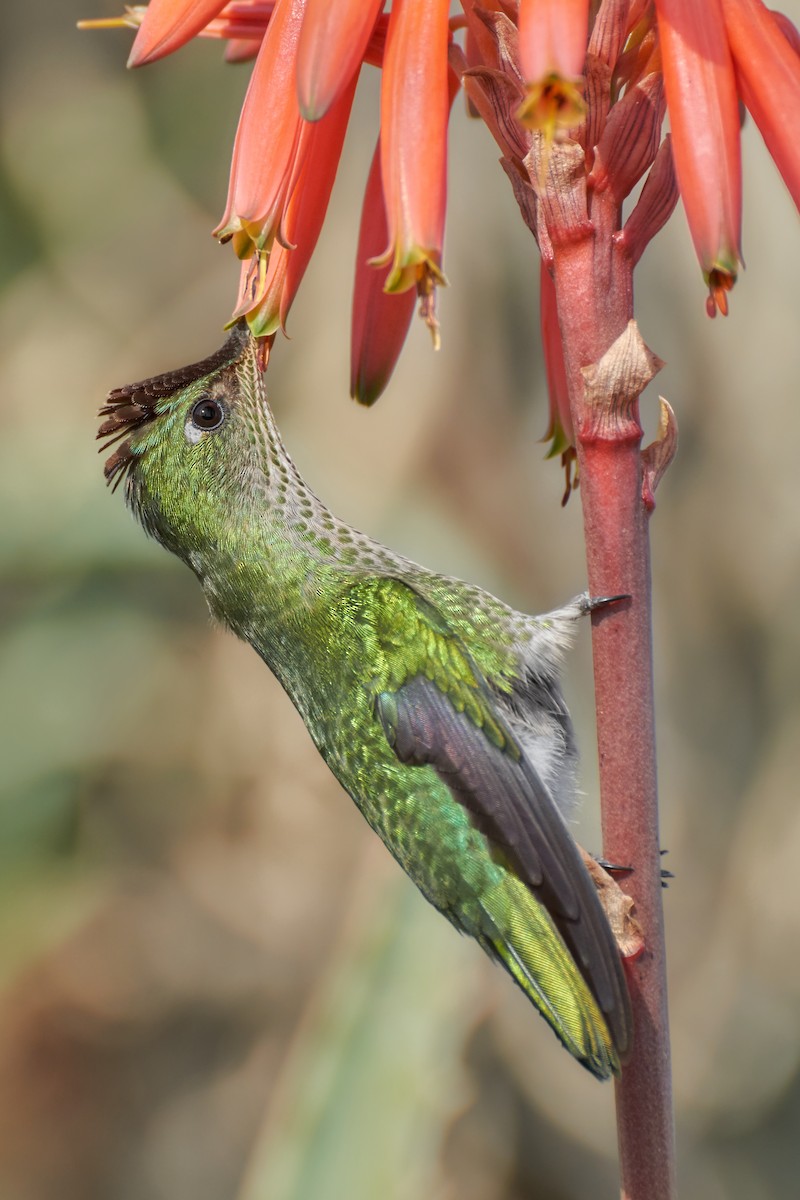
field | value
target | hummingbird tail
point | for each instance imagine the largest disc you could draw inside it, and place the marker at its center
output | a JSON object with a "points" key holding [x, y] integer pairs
{"points": [[522, 937]]}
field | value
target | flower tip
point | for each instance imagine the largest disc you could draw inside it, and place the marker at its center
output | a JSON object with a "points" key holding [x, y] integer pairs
{"points": [[366, 390], [316, 91], [263, 323], [313, 101], [309, 110], [136, 60], [166, 25], [418, 268], [144, 50]]}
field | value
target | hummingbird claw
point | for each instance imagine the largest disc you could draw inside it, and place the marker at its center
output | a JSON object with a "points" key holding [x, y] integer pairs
{"points": [[595, 602], [615, 869]]}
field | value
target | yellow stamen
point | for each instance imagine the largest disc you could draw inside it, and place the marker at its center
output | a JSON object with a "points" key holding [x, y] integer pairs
{"points": [[426, 290], [552, 104], [134, 15], [720, 282]]}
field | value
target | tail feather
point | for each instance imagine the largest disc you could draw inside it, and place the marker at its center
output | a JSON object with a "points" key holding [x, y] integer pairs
{"points": [[523, 938]]}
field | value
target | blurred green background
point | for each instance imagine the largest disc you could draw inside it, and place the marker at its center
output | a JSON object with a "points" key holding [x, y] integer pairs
{"points": [[215, 984]]}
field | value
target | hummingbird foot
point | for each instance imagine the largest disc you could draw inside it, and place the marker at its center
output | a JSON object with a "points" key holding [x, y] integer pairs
{"points": [[593, 603], [615, 869]]}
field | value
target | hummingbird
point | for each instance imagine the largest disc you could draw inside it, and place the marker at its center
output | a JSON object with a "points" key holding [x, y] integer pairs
{"points": [[436, 706]]}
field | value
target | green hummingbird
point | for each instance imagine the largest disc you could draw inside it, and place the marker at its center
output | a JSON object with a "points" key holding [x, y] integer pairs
{"points": [[436, 706]]}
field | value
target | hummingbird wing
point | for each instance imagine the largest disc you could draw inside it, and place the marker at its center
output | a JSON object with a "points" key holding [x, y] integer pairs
{"points": [[438, 710]]}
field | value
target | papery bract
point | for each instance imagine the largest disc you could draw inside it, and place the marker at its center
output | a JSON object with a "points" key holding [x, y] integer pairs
{"points": [[655, 205], [630, 138], [559, 429]]}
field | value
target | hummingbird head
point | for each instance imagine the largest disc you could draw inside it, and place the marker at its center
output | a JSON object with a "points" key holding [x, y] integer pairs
{"points": [[188, 444]]}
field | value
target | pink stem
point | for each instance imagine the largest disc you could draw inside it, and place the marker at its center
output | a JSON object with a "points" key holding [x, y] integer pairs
{"points": [[594, 290]]}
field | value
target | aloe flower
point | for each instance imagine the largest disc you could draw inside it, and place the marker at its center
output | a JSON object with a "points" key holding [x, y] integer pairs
{"points": [[270, 278], [553, 36], [333, 42], [414, 142], [267, 141], [380, 317], [167, 26], [765, 47], [566, 71], [704, 114]]}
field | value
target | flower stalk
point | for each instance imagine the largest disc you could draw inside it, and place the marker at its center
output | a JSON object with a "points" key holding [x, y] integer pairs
{"points": [[606, 367], [571, 197]]}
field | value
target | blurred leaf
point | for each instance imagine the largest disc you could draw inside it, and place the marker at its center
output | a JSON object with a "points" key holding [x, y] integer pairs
{"points": [[80, 679], [39, 911], [20, 241], [374, 1077]]}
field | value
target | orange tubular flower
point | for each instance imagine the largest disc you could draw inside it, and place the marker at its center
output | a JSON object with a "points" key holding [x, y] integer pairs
{"points": [[380, 318], [267, 139], [704, 113], [333, 41], [269, 283], [414, 116], [308, 55], [552, 50], [168, 25], [768, 74]]}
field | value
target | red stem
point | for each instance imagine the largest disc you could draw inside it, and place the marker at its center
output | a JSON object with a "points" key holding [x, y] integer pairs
{"points": [[595, 302]]}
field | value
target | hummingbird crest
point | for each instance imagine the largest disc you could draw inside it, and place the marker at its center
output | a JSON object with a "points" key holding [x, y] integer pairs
{"points": [[129, 408]]}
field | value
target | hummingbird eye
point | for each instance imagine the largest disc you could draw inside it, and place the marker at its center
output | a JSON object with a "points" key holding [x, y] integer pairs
{"points": [[208, 414]]}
